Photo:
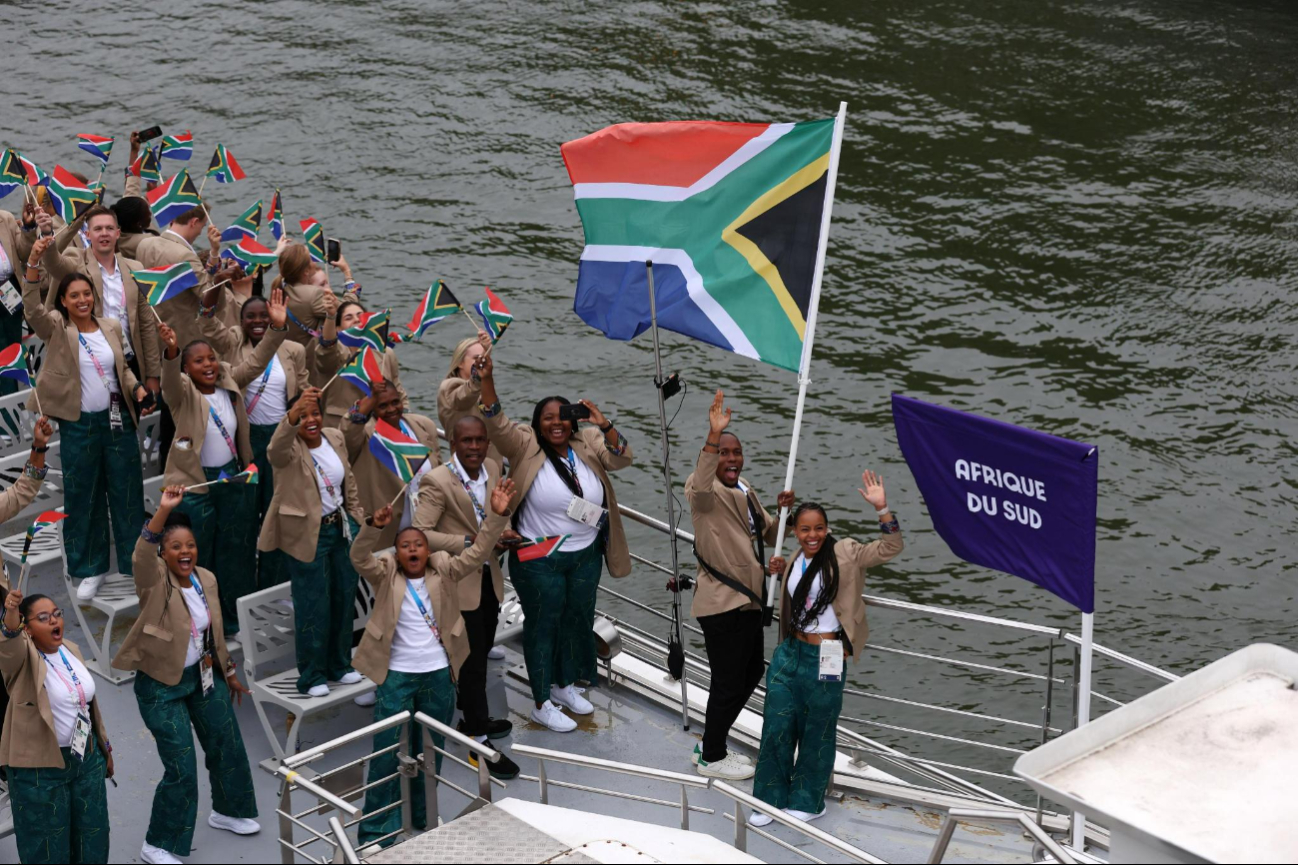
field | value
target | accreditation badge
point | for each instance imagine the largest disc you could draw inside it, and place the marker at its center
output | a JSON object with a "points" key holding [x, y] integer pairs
{"points": [[831, 661], [586, 513], [205, 674], [115, 411], [80, 735], [12, 300]]}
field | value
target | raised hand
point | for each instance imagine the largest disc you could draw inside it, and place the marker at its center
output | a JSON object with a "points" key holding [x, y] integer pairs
{"points": [[718, 415], [785, 499], [776, 565], [383, 516], [11, 618], [214, 238], [873, 491], [596, 416], [171, 496], [38, 249], [168, 336], [331, 303], [501, 496], [277, 308], [42, 431], [44, 221]]}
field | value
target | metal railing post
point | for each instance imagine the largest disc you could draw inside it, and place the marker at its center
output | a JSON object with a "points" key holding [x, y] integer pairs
{"points": [[285, 825], [1045, 714], [943, 840], [741, 828], [685, 809], [346, 852], [432, 807], [544, 785], [484, 779], [403, 757]]}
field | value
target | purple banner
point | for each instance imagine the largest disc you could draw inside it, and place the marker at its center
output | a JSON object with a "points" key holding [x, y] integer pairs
{"points": [[1006, 497]]}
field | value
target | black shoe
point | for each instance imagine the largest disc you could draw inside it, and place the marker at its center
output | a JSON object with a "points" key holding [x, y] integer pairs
{"points": [[505, 769], [497, 728]]}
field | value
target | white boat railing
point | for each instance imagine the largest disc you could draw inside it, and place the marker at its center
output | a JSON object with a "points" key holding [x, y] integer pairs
{"points": [[955, 816]]}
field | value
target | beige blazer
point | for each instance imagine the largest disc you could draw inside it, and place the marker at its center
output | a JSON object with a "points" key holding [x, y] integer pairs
{"points": [[307, 304], [28, 739], [233, 344], [443, 572], [377, 485], [292, 522], [159, 639], [342, 395], [722, 538], [20, 495], [11, 238], [190, 410], [517, 443], [853, 560], [181, 312], [129, 244], [59, 384], [144, 326], [446, 515]]}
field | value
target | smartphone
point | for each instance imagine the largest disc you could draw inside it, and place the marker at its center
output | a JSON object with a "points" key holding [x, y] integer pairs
{"points": [[334, 250], [149, 134], [513, 542], [574, 413], [147, 403]]}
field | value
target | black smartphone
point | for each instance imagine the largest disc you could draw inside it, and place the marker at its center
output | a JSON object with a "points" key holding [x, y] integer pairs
{"points": [[149, 134], [147, 403], [513, 542], [334, 250], [574, 413]]}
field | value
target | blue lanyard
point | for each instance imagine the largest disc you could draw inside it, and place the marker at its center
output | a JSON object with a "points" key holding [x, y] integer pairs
{"points": [[423, 611], [477, 505], [265, 377], [217, 420], [202, 596], [312, 331], [572, 467]]}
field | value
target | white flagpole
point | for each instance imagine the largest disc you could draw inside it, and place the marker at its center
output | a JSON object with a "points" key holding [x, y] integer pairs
{"points": [[809, 339], [1083, 712]]}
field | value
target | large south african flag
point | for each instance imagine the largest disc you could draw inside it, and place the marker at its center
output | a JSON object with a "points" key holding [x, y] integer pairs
{"points": [[173, 198], [729, 213], [397, 452]]}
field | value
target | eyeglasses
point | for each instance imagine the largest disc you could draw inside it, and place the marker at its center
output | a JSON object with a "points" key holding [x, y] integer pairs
{"points": [[46, 618]]}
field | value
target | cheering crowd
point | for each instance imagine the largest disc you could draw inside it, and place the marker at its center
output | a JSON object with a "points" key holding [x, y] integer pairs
{"points": [[290, 456]]}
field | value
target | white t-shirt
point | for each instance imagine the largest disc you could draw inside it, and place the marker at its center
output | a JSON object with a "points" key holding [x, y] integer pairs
{"points": [[414, 647], [199, 615], [115, 301], [65, 703], [545, 512], [744, 489], [6, 266], [94, 396], [216, 450], [326, 461], [412, 491], [272, 404], [827, 621]]}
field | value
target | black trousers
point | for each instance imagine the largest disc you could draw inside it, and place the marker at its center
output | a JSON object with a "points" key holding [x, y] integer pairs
{"points": [[736, 655], [480, 627]]}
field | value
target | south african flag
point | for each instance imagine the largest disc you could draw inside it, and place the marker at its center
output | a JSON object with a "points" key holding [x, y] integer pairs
{"points": [[12, 172], [438, 303], [731, 215], [372, 331], [247, 476], [146, 166], [43, 522], [70, 196], [246, 225], [36, 175], [97, 146], [541, 548], [276, 215], [173, 198], [399, 453], [224, 167], [363, 370], [495, 316], [13, 364], [252, 254], [161, 284], [177, 146], [313, 237]]}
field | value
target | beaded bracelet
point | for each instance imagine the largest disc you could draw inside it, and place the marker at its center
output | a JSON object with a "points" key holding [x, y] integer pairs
{"points": [[890, 528], [150, 537]]}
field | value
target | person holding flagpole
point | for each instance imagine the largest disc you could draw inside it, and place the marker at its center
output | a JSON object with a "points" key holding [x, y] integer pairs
{"points": [[265, 399], [822, 622], [331, 355], [313, 517], [184, 685], [564, 491], [455, 397], [86, 385], [212, 451]]}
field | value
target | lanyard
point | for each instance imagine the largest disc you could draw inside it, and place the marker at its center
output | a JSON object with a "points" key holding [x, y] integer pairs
{"points": [[265, 377], [477, 505], [94, 360], [811, 599], [76, 693], [224, 432], [423, 611], [328, 484], [310, 330], [202, 595], [572, 467]]}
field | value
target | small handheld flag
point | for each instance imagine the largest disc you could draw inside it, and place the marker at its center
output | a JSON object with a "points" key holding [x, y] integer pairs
{"points": [[13, 364], [541, 548], [276, 215], [372, 332], [70, 196], [245, 226], [43, 522], [224, 167], [36, 175], [177, 146], [396, 451], [438, 303], [247, 476], [12, 172], [97, 146], [251, 254], [363, 371], [173, 198], [163, 283], [495, 316], [313, 237], [146, 166]]}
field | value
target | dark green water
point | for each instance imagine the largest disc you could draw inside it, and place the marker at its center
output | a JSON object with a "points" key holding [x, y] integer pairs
{"points": [[1074, 216]]}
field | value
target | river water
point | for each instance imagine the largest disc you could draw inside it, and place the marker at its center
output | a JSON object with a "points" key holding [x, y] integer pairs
{"points": [[1077, 217]]}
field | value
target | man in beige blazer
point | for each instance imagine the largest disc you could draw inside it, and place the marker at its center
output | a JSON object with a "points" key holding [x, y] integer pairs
{"points": [[731, 529]]}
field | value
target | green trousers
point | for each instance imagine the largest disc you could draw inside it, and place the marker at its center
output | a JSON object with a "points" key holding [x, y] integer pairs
{"points": [[225, 526], [557, 594], [324, 609], [801, 717], [434, 695], [271, 568], [170, 711], [11, 331], [92, 454], [61, 815]]}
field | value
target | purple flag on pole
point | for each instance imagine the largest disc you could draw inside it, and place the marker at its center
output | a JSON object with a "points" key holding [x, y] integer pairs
{"points": [[1006, 497]]}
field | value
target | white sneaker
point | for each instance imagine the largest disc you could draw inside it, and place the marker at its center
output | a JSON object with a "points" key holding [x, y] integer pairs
{"points": [[237, 825], [318, 691], [369, 698], [550, 716], [570, 699], [85, 592], [156, 855], [350, 678], [758, 819], [496, 653], [729, 768], [232, 643], [698, 755], [804, 816]]}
